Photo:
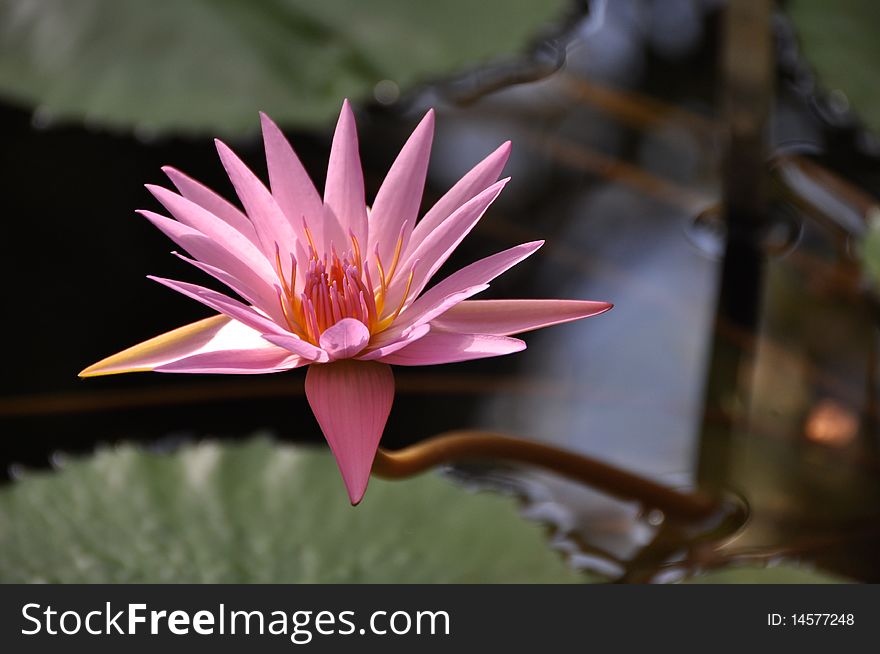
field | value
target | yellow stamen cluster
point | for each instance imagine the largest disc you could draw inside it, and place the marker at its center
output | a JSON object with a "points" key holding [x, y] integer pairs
{"points": [[335, 288]]}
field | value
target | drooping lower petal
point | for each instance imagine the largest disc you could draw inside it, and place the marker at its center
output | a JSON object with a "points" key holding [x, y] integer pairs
{"points": [[506, 317], [351, 401], [442, 347], [212, 335]]}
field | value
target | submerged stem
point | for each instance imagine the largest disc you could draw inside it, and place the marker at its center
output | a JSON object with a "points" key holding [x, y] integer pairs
{"points": [[453, 447]]}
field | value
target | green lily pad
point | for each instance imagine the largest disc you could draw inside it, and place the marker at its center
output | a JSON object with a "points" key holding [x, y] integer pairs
{"points": [[788, 573], [258, 512], [840, 40], [210, 65]]}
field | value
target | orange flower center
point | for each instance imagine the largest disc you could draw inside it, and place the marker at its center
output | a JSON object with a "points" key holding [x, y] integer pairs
{"points": [[335, 288]]}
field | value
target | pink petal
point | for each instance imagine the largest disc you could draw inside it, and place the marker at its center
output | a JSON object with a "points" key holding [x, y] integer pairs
{"points": [[344, 190], [236, 362], [273, 227], [442, 347], [478, 179], [400, 195], [345, 339], [291, 185], [432, 253], [244, 314], [295, 344], [385, 348], [212, 202], [505, 317], [224, 235], [268, 304], [255, 273], [351, 400], [477, 274], [405, 324], [216, 334]]}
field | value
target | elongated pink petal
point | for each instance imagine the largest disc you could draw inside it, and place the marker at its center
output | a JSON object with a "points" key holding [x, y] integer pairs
{"points": [[479, 178], [436, 248], [222, 303], [344, 189], [244, 314], [215, 334], [268, 304], [345, 339], [236, 362], [400, 195], [351, 401], [273, 227], [385, 348], [475, 275], [442, 347], [405, 324], [211, 201], [458, 287], [219, 231], [253, 272], [506, 317], [291, 185]]}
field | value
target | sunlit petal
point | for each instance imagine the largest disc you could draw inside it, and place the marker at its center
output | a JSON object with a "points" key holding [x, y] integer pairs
{"points": [[244, 314], [218, 334]]}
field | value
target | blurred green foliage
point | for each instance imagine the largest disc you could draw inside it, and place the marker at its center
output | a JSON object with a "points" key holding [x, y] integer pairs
{"points": [[258, 512], [210, 65], [261, 512], [839, 39], [778, 574]]}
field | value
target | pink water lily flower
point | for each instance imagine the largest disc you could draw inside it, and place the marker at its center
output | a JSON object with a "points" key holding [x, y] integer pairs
{"points": [[336, 285]]}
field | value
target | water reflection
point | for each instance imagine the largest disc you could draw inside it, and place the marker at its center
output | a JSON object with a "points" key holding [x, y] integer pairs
{"points": [[622, 157]]}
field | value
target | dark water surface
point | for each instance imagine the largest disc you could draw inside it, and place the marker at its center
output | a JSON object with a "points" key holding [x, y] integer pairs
{"points": [[617, 164]]}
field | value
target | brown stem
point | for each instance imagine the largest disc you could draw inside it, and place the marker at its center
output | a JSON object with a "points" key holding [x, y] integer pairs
{"points": [[458, 446]]}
